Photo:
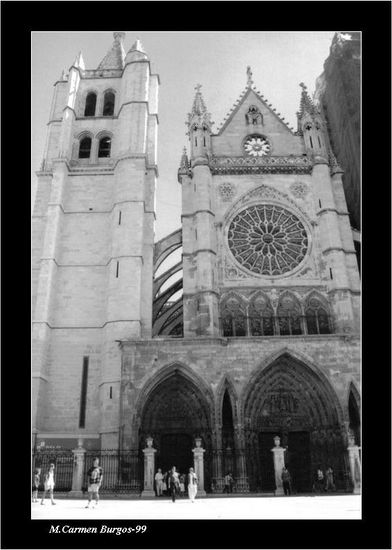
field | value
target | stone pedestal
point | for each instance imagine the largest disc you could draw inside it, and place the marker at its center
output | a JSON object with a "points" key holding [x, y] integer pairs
{"points": [[78, 470], [355, 467], [278, 455], [149, 468], [198, 459]]}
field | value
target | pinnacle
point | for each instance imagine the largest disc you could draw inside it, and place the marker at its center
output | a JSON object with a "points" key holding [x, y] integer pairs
{"points": [[79, 62], [137, 46]]}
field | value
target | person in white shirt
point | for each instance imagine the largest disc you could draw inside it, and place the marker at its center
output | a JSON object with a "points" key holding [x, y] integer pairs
{"points": [[192, 484], [49, 484], [159, 482]]}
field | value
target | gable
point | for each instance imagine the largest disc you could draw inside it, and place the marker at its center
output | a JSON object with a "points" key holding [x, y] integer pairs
{"points": [[230, 138]]}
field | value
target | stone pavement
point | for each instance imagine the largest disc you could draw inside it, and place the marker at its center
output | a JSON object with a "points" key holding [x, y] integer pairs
{"points": [[294, 507]]}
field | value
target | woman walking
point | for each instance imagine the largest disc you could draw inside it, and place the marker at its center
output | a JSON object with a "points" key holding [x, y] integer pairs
{"points": [[174, 483], [49, 484], [192, 485]]}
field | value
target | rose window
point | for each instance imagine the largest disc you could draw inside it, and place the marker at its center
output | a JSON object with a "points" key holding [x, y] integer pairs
{"points": [[257, 146], [267, 239]]}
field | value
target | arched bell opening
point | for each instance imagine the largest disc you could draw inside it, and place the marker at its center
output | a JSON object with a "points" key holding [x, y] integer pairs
{"points": [[174, 414], [290, 400]]}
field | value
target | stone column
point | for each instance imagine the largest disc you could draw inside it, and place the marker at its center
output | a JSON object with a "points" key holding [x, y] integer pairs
{"points": [[278, 454], [355, 465], [78, 470], [149, 468], [198, 459], [241, 481]]}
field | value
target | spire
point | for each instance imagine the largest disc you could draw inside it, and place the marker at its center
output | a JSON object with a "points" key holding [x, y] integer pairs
{"points": [[333, 163], [79, 62], [184, 164], [199, 114], [136, 52], [137, 46], [249, 75], [306, 104], [114, 59]]}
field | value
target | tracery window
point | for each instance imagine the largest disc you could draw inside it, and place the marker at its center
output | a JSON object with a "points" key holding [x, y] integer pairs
{"points": [[267, 239], [289, 315], [317, 318], [91, 102], [104, 147], [233, 318], [108, 104], [261, 317], [85, 148]]}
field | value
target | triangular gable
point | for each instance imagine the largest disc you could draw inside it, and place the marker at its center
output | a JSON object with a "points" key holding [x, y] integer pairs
{"points": [[251, 96]]}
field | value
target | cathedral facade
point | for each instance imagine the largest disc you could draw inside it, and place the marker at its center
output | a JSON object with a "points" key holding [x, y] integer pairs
{"points": [[265, 339]]}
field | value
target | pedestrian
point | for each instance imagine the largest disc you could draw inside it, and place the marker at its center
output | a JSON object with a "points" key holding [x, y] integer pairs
{"points": [[95, 478], [159, 482], [49, 484], [182, 484], [228, 488], [36, 482], [286, 479], [192, 485], [330, 485], [174, 483], [319, 482]]}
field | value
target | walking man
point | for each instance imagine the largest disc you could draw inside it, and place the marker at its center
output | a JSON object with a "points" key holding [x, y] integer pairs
{"points": [[192, 485], [174, 482], [228, 488], [95, 478]]}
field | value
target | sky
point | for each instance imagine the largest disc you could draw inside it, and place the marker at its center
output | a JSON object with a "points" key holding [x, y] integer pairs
{"points": [[216, 60]]}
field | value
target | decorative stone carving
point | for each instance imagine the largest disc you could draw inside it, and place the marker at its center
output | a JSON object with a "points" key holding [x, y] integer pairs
{"points": [[227, 191], [299, 189], [261, 164]]}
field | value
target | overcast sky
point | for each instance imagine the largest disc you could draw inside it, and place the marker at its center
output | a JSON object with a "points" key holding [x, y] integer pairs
{"points": [[217, 60]]}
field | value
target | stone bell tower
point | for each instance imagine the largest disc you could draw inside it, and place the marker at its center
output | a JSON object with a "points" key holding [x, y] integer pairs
{"points": [[93, 232]]}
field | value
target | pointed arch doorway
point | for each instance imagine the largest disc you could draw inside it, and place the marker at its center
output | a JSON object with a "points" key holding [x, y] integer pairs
{"points": [[290, 400], [174, 413]]}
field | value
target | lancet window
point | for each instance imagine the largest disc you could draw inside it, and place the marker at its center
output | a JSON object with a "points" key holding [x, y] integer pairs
{"points": [[233, 318], [261, 317], [289, 316], [317, 318], [91, 102]]}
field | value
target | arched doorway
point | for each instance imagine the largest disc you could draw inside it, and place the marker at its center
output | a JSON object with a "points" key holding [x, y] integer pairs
{"points": [[289, 399], [174, 413], [354, 414]]}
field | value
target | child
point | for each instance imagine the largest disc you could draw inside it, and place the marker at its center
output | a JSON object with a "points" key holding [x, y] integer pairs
{"points": [[49, 484], [36, 482]]}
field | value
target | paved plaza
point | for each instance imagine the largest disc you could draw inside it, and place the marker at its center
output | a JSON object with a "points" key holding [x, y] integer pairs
{"points": [[294, 507]]}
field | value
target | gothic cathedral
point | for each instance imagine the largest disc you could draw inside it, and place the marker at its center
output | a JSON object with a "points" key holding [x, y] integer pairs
{"points": [[263, 346]]}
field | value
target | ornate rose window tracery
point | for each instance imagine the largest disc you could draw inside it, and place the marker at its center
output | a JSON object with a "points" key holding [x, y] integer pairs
{"points": [[257, 146], [268, 239]]}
